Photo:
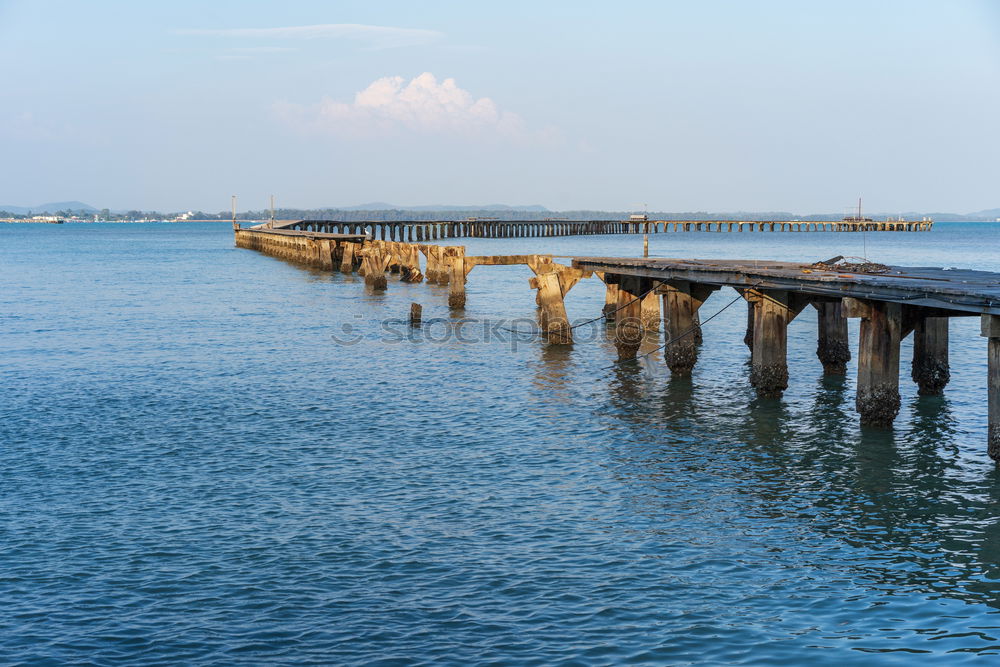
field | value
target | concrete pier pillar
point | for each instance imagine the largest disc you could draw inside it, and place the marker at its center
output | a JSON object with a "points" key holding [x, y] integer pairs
{"points": [[610, 301], [650, 311], [552, 311], [991, 330], [628, 319], [748, 336], [773, 310], [877, 400], [681, 301], [930, 369], [832, 346], [456, 281], [347, 257]]}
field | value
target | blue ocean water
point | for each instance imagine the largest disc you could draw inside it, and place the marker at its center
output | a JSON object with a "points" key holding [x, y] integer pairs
{"points": [[211, 456]]}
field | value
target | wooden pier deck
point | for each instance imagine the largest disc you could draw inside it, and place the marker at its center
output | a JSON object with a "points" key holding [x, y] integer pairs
{"points": [[645, 296], [423, 230]]}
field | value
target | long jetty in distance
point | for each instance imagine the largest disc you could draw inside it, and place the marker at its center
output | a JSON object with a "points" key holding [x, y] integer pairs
{"points": [[423, 230], [644, 296]]}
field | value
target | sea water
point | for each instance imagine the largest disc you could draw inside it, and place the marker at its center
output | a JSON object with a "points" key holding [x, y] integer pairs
{"points": [[212, 456]]}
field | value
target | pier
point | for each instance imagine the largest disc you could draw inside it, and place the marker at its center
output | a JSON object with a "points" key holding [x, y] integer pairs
{"points": [[422, 230], [650, 295]]}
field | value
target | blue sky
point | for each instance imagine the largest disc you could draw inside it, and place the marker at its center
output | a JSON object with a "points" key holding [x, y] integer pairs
{"points": [[713, 105]]}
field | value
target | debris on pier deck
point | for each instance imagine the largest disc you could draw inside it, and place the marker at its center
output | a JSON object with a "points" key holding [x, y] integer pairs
{"points": [[430, 230]]}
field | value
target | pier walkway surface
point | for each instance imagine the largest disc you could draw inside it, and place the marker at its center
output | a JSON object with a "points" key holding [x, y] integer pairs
{"points": [[646, 295], [423, 230]]}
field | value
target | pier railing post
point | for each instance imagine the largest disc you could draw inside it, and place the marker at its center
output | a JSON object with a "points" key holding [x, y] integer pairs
{"points": [[832, 346], [877, 400], [929, 368], [991, 331]]}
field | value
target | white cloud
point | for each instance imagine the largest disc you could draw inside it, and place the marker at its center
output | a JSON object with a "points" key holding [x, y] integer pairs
{"points": [[376, 36], [391, 105]]}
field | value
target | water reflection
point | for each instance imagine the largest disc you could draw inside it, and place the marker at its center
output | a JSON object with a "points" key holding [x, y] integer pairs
{"points": [[893, 509]]}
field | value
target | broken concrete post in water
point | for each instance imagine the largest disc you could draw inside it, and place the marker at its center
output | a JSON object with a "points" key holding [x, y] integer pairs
{"points": [[553, 320], [410, 264], [347, 259], [929, 368], [991, 330], [877, 400], [456, 278], [681, 301], [416, 313], [832, 346]]}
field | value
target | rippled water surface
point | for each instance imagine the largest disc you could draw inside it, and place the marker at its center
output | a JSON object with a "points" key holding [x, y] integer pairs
{"points": [[194, 470]]}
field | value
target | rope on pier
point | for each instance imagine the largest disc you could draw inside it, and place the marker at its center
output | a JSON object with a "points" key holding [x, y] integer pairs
{"points": [[686, 332], [599, 317]]}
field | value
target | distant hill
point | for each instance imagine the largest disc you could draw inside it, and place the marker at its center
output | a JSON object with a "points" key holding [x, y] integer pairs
{"points": [[50, 207], [988, 213], [382, 206]]}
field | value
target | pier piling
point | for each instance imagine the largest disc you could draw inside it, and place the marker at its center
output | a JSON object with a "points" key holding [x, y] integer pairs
{"points": [[773, 310], [877, 399], [929, 368], [628, 319], [991, 330], [681, 301], [832, 346]]}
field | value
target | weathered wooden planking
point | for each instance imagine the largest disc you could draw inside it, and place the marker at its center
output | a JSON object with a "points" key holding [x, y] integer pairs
{"points": [[960, 291]]}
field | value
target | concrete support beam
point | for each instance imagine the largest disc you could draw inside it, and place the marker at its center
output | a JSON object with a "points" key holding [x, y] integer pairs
{"points": [[832, 346], [773, 310], [628, 319], [877, 400], [456, 280], [552, 314], [347, 258], [930, 368], [681, 301]]}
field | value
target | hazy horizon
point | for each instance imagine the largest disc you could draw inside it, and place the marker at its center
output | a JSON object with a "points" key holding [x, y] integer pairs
{"points": [[719, 106]]}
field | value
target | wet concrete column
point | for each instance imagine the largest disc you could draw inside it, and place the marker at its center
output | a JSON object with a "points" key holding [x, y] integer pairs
{"points": [[832, 346], [773, 310], [930, 369], [456, 280], [628, 319], [650, 311], [552, 311], [681, 301], [610, 301], [877, 400], [991, 330]]}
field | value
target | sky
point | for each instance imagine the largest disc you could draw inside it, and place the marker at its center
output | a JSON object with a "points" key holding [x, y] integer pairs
{"points": [[715, 105]]}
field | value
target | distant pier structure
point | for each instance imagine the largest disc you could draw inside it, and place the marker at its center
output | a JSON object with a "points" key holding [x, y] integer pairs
{"points": [[432, 230]]}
